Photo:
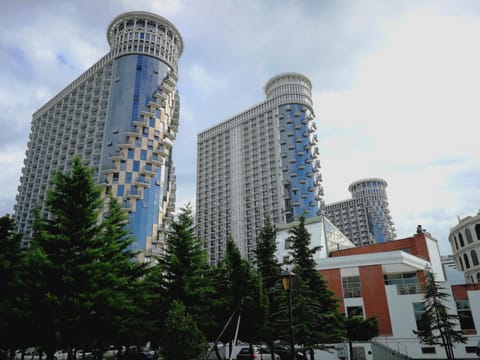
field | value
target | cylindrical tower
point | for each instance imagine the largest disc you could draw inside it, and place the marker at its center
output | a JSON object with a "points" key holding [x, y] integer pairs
{"points": [[301, 178], [372, 191], [464, 240], [139, 32], [121, 118]]}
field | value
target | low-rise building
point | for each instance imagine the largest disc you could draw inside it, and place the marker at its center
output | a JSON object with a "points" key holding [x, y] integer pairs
{"points": [[385, 280]]}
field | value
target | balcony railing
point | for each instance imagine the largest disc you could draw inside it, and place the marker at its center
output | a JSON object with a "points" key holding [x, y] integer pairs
{"points": [[408, 289]]}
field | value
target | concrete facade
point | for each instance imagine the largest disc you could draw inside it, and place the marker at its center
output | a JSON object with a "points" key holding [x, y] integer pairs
{"points": [[262, 163], [365, 218]]}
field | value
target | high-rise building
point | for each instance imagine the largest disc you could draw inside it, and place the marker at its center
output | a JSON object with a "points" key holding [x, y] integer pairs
{"points": [[365, 218], [120, 117], [464, 240], [262, 163]]}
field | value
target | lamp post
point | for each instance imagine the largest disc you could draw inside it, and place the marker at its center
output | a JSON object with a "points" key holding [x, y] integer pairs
{"points": [[288, 282]]}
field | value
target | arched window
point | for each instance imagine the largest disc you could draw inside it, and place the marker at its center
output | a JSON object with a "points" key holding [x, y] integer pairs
{"points": [[141, 23], [461, 263], [478, 277], [477, 230], [460, 237], [473, 255], [456, 242], [468, 234], [467, 262]]}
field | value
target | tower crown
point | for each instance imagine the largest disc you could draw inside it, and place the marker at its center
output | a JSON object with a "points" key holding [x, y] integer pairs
{"points": [[289, 83], [139, 32]]}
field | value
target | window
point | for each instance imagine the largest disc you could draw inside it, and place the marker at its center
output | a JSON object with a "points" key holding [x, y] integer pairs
{"points": [[128, 178], [468, 235], [473, 255], [418, 309], [477, 231], [428, 350], [465, 315], [351, 287], [354, 311], [130, 153], [460, 237], [407, 283], [143, 155], [120, 190], [467, 262], [136, 165]]}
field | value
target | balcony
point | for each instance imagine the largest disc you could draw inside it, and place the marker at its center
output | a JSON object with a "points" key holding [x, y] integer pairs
{"points": [[408, 289]]}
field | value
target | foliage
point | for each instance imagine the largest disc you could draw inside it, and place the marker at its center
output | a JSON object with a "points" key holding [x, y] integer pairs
{"points": [[316, 316], [243, 294], [269, 269], [360, 329], [183, 340], [12, 307], [183, 275], [81, 293], [437, 326]]}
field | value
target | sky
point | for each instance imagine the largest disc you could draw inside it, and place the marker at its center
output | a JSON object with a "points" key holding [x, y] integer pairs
{"points": [[395, 87]]}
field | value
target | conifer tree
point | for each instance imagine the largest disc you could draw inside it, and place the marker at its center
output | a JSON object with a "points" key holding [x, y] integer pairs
{"points": [[183, 274], [315, 310], [183, 339], [12, 309], [83, 265], [437, 325], [269, 269]]}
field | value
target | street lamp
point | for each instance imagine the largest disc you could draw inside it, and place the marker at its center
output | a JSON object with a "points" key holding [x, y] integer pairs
{"points": [[288, 282]]}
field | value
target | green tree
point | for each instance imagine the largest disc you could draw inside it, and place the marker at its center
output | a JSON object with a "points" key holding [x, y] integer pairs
{"points": [[12, 308], [243, 295], [437, 326], [269, 269], [316, 316], [360, 329], [183, 275], [85, 272], [183, 339]]}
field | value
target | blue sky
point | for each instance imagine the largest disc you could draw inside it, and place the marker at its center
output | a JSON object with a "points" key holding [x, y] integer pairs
{"points": [[395, 86]]}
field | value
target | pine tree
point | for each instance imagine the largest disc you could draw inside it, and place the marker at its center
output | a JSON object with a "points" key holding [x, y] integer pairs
{"points": [[12, 309], [269, 269], [183, 274], [315, 310], [437, 326], [84, 268], [183, 340]]}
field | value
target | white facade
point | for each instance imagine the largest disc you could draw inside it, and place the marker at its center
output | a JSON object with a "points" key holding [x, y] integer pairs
{"points": [[365, 218], [464, 240], [260, 164]]}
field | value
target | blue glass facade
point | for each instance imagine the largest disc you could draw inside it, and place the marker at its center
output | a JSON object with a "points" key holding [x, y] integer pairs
{"points": [[297, 140]]}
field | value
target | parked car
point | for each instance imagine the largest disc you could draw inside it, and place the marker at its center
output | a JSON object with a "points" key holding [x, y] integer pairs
{"points": [[285, 353], [258, 354], [60, 355], [29, 354]]}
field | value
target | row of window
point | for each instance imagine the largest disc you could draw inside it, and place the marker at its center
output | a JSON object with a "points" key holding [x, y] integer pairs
{"points": [[459, 241], [465, 263]]}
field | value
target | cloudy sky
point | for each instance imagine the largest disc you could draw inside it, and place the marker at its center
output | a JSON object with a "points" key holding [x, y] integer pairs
{"points": [[396, 86]]}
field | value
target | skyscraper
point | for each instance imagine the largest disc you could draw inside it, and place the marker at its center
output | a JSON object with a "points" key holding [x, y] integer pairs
{"points": [[121, 117], [365, 218], [262, 163]]}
